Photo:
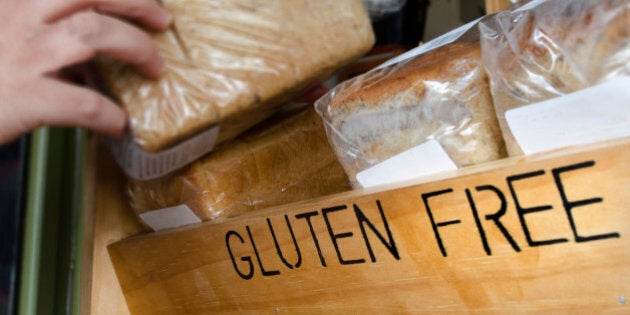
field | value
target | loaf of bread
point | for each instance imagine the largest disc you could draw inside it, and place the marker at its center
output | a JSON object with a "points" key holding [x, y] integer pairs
{"points": [[442, 95], [232, 62], [551, 49], [285, 159]]}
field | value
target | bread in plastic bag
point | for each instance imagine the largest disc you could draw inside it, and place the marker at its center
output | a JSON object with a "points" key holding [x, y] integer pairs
{"points": [[285, 159], [441, 94], [551, 48], [232, 62]]}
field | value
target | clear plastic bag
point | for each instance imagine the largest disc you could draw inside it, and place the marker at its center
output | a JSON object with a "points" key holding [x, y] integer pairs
{"points": [[285, 159], [517, 3], [232, 62], [436, 92], [551, 48]]}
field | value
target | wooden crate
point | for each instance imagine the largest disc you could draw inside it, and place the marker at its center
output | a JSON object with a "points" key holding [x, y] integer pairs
{"points": [[543, 233]]}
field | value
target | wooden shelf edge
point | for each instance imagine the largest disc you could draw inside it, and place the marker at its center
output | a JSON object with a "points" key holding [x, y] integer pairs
{"points": [[540, 233]]}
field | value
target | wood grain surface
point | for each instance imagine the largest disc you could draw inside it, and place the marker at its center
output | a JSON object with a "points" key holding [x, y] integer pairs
{"points": [[545, 233], [107, 219]]}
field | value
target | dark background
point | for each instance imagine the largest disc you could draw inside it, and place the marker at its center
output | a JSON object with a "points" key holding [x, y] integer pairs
{"points": [[12, 173]]}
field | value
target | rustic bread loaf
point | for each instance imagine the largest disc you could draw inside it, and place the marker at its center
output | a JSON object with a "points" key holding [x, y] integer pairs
{"points": [[231, 62], [282, 160], [442, 95], [552, 49]]}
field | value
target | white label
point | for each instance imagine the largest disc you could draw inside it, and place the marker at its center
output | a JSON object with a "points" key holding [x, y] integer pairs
{"points": [[591, 115], [425, 159], [142, 165], [169, 218]]}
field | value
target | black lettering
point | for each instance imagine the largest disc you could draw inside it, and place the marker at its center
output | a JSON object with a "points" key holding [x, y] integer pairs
{"points": [[523, 211], [334, 236], [275, 241], [247, 259], [262, 269], [569, 205], [308, 216], [391, 245], [425, 198], [482, 233], [491, 217]]}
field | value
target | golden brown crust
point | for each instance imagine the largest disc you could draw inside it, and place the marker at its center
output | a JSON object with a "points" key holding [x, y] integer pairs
{"points": [[232, 62], [281, 161], [438, 64], [441, 95]]}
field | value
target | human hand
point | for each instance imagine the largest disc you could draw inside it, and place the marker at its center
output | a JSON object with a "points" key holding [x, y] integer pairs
{"points": [[39, 38]]}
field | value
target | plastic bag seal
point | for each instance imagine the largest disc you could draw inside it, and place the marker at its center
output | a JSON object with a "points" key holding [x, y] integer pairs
{"points": [[141, 165]]}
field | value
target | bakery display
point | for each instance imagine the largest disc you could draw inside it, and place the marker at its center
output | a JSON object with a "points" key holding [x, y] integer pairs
{"points": [[233, 62], [285, 159], [440, 235], [440, 95]]}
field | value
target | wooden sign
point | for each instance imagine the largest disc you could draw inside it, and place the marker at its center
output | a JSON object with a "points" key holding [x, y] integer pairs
{"points": [[527, 234]]}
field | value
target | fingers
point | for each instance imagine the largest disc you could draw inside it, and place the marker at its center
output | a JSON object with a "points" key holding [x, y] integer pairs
{"points": [[83, 35], [147, 12], [63, 104]]}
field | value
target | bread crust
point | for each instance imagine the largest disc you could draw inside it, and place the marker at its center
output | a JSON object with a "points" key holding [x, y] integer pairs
{"points": [[440, 95], [283, 160], [233, 62], [554, 49]]}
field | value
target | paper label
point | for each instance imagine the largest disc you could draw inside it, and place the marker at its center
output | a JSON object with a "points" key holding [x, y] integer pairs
{"points": [[169, 218], [142, 165], [425, 159], [591, 115]]}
